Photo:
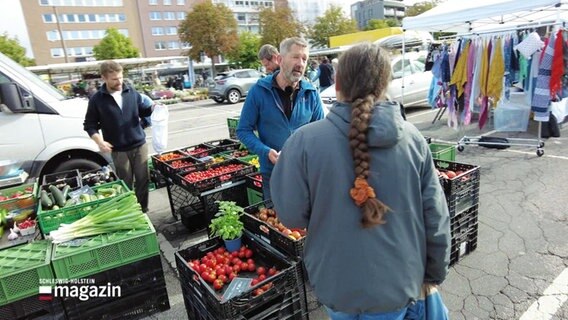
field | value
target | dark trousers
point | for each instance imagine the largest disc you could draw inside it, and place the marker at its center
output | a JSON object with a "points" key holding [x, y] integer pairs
{"points": [[132, 167]]}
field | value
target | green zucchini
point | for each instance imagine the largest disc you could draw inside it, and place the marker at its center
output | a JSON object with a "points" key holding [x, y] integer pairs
{"points": [[66, 191], [46, 202], [57, 195]]}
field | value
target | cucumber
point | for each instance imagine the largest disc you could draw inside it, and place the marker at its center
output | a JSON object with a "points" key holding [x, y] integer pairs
{"points": [[46, 202], [57, 195], [66, 191]]}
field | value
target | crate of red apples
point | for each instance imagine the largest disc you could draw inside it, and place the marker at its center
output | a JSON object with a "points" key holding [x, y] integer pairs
{"points": [[214, 176], [266, 280], [460, 182], [262, 221]]}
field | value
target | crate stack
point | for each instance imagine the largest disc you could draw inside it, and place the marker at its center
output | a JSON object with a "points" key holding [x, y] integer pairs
{"points": [[282, 299], [21, 269], [462, 197], [129, 260], [199, 175], [254, 188], [232, 124], [291, 248]]}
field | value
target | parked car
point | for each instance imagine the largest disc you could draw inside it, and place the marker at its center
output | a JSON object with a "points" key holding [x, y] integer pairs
{"points": [[233, 85], [416, 81]]}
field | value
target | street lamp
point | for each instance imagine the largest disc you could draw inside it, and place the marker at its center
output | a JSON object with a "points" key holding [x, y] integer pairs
{"points": [[60, 34]]}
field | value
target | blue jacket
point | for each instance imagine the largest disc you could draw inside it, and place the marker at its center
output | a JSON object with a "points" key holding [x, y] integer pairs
{"points": [[121, 128], [356, 270], [264, 113]]}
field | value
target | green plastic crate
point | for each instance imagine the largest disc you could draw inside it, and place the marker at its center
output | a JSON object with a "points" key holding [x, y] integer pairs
{"points": [[19, 203], [21, 268], [254, 196], [52, 219], [104, 252], [445, 152], [232, 124]]}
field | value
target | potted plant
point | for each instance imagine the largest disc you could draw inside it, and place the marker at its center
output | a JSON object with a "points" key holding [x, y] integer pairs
{"points": [[227, 224]]}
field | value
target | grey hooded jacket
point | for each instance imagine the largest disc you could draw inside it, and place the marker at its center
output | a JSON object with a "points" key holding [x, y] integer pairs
{"points": [[356, 270]]}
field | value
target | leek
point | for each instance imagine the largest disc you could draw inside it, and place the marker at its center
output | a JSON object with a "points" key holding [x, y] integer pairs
{"points": [[122, 212]]}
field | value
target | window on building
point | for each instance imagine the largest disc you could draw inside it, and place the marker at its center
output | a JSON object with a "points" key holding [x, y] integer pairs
{"points": [[44, 2], [56, 52], [181, 15], [241, 17], [155, 15], [160, 45], [171, 30], [168, 15], [121, 17], [185, 45], [153, 2], [167, 2], [173, 45], [52, 35], [180, 2], [157, 31], [48, 18], [92, 18]]}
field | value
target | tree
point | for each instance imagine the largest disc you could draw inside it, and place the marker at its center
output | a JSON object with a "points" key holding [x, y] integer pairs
{"points": [[332, 23], [210, 29], [374, 24], [245, 54], [277, 25], [115, 45], [420, 7], [11, 47]]}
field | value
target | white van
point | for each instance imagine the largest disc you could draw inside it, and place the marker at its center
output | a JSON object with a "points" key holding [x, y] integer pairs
{"points": [[42, 127]]}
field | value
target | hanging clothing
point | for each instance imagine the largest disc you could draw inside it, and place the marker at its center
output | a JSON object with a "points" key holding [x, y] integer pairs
{"points": [[485, 65], [459, 77], [541, 96], [470, 69], [496, 73], [557, 66]]}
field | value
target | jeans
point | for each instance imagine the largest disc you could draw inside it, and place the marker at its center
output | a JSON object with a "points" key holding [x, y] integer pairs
{"points": [[412, 312], [132, 167], [266, 185]]}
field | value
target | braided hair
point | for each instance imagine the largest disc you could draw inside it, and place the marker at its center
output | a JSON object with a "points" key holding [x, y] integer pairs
{"points": [[363, 75]]}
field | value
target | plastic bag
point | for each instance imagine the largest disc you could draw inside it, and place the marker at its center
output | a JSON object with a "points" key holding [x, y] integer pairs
{"points": [[160, 117]]}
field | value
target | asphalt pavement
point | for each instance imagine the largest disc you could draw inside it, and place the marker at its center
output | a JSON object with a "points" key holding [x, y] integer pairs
{"points": [[518, 269]]}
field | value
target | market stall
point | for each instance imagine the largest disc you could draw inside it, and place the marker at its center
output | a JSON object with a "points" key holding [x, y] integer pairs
{"points": [[494, 26]]}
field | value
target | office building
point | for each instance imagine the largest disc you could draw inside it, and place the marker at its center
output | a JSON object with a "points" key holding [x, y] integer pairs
{"points": [[366, 10]]}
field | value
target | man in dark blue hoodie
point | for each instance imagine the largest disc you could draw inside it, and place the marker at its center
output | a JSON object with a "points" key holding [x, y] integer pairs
{"points": [[116, 110], [278, 105]]}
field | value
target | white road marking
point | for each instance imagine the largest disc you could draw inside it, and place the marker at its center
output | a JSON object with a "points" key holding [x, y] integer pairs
{"points": [[551, 300]]}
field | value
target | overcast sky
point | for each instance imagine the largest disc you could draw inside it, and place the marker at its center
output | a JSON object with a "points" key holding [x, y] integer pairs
{"points": [[12, 21]]}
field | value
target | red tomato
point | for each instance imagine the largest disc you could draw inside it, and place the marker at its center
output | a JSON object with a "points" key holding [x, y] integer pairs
{"points": [[222, 278], [220, 270], [272, 271], [250, 261], [232, 276], [248, 253], [251, 267], [260, 270], [218, 284], [237, 268], [244, 266], [261, 277], [254, 282], [228, 270]]}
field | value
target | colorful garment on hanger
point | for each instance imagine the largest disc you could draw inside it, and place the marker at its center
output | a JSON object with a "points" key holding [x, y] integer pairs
{"points": [[459, 76], [484, 79], [496, 73], [541, 96], [557, 71], [470, 69]]}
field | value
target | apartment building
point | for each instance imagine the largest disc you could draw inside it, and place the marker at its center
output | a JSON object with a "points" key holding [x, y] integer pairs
{"points": [[363, 11]]}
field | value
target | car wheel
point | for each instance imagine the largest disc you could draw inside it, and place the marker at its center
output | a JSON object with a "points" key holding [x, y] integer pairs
{"points": [[218, 100], [234, 96], [81, 164]]}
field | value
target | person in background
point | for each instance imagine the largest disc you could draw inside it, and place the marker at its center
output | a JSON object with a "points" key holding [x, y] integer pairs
{"points": [[313, 74], [116, 110], [325, 74], [376, 216], [268, 56], [278, 105]]}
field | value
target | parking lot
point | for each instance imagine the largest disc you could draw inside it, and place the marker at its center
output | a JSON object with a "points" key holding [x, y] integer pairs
{"points": [[519, 268]]}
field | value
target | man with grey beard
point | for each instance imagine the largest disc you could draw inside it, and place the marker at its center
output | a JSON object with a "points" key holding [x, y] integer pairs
{"points": [[278, 105]]}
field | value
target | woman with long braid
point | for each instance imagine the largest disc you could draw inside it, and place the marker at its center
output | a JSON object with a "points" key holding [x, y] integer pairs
{"points": [[363, 183]]}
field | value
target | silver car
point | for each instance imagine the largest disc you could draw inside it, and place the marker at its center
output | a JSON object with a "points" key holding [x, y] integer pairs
{"points": [[233, 85], [416, 82]]}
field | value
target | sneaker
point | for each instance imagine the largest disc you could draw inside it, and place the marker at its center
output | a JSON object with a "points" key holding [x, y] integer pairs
{"points": [[145, 210]]}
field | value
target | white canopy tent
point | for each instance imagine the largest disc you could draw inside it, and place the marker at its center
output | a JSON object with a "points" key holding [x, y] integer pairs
{"points": [[469, 16]]}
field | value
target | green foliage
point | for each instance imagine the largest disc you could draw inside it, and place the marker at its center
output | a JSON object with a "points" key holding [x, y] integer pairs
{"points": [[11, 47], [277, 25], [227, 223], [115, 45], [420, 7], [211, 29], [374, 24], [332, 23], [245, 54]]}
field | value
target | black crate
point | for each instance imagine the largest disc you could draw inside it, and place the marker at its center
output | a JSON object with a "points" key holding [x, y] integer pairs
{"points": [[196, 211], [157, 178], [136, 306], [139, 276], [159, 160], [288, 246], [463, 190], [464, 229], [287, 306], [254, 181], [224, 144], [73, 182], [200, 150], [195, 288], [227, 179], [59, 176], [86, 179], [33, 308]]}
